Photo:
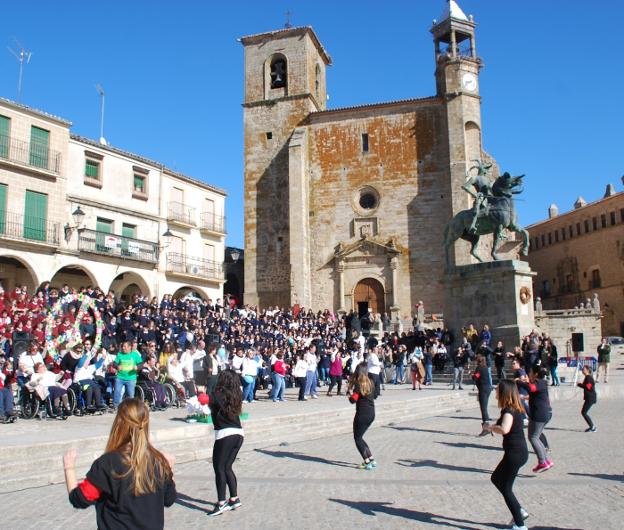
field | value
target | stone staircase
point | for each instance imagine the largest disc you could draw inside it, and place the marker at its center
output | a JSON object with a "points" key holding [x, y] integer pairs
{"points": [[39, 464]]}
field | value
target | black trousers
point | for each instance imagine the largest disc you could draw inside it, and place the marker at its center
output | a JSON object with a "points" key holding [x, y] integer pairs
{"points": [[361, 423], [484, 398], [375, 378], [504, 476], [223, 455], [335, 380], [301, 381], [584, 412]]}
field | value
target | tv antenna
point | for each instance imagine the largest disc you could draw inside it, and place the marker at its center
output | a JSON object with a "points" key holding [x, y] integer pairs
{"points": [[22, 56], [100, 90], [288, 24]]}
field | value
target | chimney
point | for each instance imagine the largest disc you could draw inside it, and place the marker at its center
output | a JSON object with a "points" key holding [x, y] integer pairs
{"points": [[553, 211], [609, 191], [580, 202]]}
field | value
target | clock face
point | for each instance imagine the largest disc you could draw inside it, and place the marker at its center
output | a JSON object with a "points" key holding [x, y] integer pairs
{"points": [[469, 82]]}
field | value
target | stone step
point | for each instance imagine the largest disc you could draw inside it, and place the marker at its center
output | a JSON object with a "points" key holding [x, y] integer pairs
{"points": [[190, 442]]}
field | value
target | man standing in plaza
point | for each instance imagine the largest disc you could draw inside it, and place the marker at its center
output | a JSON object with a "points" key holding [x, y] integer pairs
{"points": [[604, 358], [459, 362]]}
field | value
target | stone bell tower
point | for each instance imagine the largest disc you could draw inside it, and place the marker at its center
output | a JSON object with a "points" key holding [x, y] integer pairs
{"points": [[284, 83], [457, 82]]}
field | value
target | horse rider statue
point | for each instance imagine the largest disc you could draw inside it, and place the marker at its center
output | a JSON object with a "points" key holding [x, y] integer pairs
{"points": [[479, 187]]}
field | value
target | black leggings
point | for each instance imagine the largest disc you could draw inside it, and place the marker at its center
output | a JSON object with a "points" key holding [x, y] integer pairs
{"points": [[584, 412], [335, 380], [223, 455], [361, 423], [484, 397], [503, 478], [302, 383]]}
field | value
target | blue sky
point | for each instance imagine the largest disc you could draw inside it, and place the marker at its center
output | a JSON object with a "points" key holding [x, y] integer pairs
{"points": [[552, 85]]}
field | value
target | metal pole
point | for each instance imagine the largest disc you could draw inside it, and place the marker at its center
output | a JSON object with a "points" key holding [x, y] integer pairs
{"points": [[102, 116]]}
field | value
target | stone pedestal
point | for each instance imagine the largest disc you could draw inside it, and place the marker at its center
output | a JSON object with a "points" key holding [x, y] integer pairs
{"points": [[497, 293]]}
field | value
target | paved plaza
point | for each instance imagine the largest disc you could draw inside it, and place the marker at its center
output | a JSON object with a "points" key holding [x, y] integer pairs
{"points": [[432, 472]]}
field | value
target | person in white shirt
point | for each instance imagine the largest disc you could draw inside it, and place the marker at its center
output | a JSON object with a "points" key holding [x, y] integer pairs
{"points": [[374, 368], [27, 361], [45, 384], [311, 377], [299, 372], [249, 372], [237, 361]]}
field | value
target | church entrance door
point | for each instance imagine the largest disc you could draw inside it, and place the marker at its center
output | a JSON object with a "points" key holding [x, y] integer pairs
{"points": [[369, 294]]}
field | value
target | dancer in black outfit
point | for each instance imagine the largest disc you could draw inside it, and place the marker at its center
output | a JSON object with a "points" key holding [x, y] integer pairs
{"points": [[361, 392], [482, 381], [509, 425], [225, 409], [589, 396]]}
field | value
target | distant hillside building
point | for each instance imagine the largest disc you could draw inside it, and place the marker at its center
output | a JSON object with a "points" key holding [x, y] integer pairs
{"points": [[579, 253], [346, 208]]}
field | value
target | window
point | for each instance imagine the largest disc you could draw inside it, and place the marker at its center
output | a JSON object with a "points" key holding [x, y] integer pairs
{"points": [[550, 238], [39, 144], [569, 283], [317, 83], [563, 234], [3, 200], [368, 201], [612, 218], [269, 135], [622, 215], [128, 247], [595, 279], [92, 169], [139, 182], [603, 221], [578, 229], [543, 240], [595, 223], [365, 143], [35, 215], [586, 223], [545, 288], [570, 232], [104, 242], [5, 128], [278, 72], [556, 236]]}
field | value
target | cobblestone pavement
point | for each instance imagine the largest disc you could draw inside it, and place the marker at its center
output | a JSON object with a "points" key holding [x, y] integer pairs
{"points": [[432, 473]]}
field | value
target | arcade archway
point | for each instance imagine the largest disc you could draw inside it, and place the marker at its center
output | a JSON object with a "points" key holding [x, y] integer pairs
{"points": [[369, 294]]}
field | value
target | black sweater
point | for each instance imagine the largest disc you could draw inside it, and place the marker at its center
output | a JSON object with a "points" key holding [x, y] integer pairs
{"points": [[117, 508], [220, 420], [481, 379], [589, 389], [539, 403]]}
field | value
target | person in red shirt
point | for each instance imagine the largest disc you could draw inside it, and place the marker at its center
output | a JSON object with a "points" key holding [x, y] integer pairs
{"points": [[279, 373]]}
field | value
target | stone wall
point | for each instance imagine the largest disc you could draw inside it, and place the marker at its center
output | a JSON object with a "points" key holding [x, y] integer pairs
{"points": [[560, 324]]}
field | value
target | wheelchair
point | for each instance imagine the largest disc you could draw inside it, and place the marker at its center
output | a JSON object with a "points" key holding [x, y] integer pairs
{"points": [[30, 405], [144, 391]]}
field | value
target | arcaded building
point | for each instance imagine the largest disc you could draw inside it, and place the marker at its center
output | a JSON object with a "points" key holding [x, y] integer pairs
{"points": [[346, 208], [581, 252]]}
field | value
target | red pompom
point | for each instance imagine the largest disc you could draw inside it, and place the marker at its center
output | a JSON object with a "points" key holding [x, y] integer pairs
{"points": [[589, 386], [477, 375], [203, 399], [355, 396]]}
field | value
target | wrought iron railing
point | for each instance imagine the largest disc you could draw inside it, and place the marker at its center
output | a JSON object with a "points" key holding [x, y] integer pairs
{"points": [[178, 211], [212, 222], [117, 246], [202, 268], [30, 154], [28, 228]]}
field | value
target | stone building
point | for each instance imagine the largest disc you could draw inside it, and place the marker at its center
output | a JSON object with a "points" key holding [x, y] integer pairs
{"points": [[345, 208], [76, 211], [581, 252]]}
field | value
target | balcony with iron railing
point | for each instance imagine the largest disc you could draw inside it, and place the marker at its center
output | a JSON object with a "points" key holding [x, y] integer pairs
{"points": [[30, 154], [184, 265], [212, 223], [117, 246], [23, 227], [178, 212]]}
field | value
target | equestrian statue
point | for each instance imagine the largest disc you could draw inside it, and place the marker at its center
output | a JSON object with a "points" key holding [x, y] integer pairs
{"points": [[493, 212]]}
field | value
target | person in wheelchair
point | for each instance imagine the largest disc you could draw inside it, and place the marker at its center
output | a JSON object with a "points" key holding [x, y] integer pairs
{"points": [[180, 377], [84, 379], [44, 384], [149, 376]]}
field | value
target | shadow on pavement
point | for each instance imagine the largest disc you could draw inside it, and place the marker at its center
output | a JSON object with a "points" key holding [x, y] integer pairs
{"points": [[187, 502], [305, 458], [466, 445], [438, 465], [388, 508], [461, 418], [433, 431], [603, 476]]}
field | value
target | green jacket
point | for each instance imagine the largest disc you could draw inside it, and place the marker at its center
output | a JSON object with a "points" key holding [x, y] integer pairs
{"points": [[604, 353]]}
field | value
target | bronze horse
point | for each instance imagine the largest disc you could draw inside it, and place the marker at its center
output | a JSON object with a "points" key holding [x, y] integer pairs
{"points": [[501, 215]]}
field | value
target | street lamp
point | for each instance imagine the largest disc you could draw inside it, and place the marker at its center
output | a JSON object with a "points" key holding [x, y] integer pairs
{"points": [[235, 254], [78, 216], [167, 237]]}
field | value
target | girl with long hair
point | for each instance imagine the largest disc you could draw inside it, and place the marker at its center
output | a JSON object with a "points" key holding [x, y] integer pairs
{"points": [[132, 482], [509, 425], [225, 409], [540, 413], [361, 391], [589, 397], [482, 381]]}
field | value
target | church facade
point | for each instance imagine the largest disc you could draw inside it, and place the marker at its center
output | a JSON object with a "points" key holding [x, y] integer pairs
{"points": [[346, 208]]}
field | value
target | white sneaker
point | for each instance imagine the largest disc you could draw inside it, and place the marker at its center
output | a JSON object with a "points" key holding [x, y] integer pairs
{"points": [[514, 527], [524, 513], [314, 396]]}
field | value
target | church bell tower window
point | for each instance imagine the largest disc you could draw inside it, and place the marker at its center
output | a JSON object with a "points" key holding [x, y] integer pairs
{"points": [[278, 73]]}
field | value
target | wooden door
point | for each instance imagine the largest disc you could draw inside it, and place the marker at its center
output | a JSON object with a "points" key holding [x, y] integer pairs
{"points": [[370, 291]]}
